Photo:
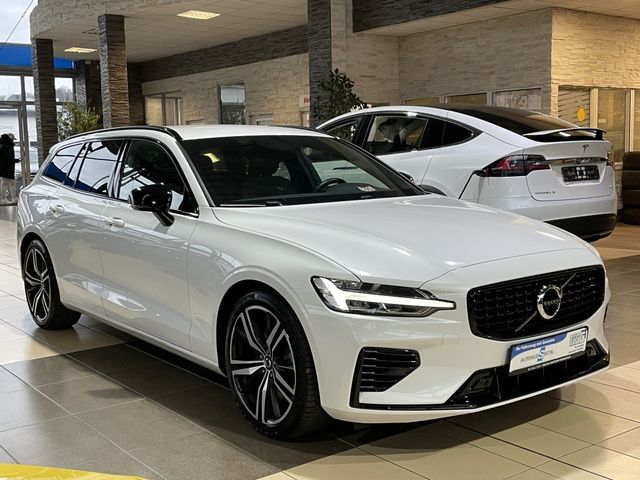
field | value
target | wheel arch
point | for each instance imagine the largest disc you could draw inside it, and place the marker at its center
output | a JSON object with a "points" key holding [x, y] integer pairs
{"points": [[26, 240], [231, 296]]}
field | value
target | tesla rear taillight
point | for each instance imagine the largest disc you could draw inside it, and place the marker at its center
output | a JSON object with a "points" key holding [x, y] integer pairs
{"points": [[515, 166]]}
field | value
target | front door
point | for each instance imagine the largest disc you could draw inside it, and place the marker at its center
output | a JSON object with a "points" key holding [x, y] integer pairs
{"points": [[145, 262]]}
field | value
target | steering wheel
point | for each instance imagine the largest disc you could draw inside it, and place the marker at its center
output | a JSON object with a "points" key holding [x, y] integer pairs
{"points": [[329, 181]]}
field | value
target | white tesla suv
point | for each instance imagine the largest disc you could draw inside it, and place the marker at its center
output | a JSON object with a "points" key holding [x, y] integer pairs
{"points": [[526, 162], [319, 280]]}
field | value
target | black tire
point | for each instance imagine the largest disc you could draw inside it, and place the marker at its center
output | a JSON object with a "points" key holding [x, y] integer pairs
{"points": [[631, 161], [631, 216], [41, 290], [631, 198], [630, 180], [287, 362]]}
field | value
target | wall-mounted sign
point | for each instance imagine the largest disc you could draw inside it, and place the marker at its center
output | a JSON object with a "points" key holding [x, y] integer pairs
{"points": [[304, 102]]}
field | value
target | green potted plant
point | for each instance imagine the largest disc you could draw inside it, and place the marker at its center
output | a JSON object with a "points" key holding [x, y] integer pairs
{"points": [[337, 97], [76, 118]]}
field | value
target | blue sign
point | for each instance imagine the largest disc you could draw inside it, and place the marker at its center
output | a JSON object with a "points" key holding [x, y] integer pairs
{"points": [[19, 56]]}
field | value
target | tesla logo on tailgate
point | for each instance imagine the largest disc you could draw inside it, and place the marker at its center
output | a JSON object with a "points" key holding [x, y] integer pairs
{"points": [[584, 148]]}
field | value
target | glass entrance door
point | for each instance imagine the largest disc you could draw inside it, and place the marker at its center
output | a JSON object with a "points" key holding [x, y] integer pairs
{"points": [[13, 120]]}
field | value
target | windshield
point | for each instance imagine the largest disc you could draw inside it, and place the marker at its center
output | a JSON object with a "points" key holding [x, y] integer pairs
{"points": [[290, 170]]}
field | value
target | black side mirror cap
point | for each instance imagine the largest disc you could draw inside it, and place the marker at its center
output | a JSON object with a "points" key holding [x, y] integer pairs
{"points": [[154, 198]]}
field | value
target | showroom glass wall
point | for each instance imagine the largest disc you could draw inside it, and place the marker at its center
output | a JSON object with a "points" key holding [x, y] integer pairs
{"points": [[18, 116]]}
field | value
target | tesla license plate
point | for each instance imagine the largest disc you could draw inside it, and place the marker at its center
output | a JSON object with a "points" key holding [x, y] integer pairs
{"points": [[546, 351], [580, 173]]}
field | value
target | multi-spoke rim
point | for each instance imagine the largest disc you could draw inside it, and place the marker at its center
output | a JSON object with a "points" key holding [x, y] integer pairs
{"points": [[263, 368], [37, 285]]}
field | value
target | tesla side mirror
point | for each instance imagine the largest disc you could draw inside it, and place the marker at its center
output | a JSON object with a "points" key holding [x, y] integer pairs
{"points": [[154, 198], [407, 177]]}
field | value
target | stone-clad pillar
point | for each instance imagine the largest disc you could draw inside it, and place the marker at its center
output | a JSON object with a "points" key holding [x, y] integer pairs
{"points": [[45, 95], [320, 59], [113, 71], [87, 83]]}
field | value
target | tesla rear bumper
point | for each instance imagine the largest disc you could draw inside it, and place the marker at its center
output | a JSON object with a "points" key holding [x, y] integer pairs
{"points": [[590, 227]]}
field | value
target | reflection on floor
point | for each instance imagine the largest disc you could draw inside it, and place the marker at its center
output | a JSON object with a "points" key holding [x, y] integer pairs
{"points": [[92, 398]]}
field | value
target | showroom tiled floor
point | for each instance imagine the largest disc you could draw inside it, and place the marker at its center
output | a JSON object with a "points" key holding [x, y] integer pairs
{"points": [[92, 398]]}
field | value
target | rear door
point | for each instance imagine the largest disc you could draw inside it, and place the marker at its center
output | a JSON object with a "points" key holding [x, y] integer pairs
{"points": [[578, 170], [75, 224]]}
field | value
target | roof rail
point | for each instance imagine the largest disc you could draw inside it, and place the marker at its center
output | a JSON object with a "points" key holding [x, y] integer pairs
{"points": [[167, 130]]}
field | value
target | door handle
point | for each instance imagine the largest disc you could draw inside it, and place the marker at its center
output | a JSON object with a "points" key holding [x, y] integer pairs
{"points": [[114, 222], [57, 210]]}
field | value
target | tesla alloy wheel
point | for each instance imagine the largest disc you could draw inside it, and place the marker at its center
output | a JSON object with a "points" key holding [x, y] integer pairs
{"points": [[270, 368], [41, 290]]}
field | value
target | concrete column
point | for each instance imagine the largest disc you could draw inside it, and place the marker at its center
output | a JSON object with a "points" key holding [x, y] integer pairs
{"points": [[113, 71], [320, 58], [45, 95], [87, 83]]}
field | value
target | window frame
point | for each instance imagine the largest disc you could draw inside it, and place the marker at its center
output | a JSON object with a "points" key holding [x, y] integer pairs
{"points": [[427, 116], [114, 189]]}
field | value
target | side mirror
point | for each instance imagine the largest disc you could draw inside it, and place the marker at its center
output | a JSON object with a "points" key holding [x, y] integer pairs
{"points": [[407, 177], [154, 198]]}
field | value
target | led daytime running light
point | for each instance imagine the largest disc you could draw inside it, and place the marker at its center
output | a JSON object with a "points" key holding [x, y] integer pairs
{"points": [[338, 299]]}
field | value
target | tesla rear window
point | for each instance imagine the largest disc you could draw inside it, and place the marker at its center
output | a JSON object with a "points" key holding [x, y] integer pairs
{"points": [[523, 122]]}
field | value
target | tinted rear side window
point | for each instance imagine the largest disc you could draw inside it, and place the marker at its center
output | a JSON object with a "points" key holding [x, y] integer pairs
{"points": [[60, 164], [454, 133], [433, 134], [99, 160]]}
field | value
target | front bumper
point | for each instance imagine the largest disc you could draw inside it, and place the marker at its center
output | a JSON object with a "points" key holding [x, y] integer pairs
{"points": [[450, 354]]}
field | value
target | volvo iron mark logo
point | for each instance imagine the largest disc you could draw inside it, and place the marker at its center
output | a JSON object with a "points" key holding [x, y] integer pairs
{"points": [[549, 300]]}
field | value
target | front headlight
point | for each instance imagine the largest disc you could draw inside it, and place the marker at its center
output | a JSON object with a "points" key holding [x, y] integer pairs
{"points": [[374, 299]]}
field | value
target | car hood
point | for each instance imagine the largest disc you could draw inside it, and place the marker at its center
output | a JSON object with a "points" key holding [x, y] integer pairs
{"points": [[405, 240]]}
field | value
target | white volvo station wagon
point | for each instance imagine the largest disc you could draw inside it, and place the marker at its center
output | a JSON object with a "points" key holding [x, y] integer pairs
{"points": [[317, 279]]}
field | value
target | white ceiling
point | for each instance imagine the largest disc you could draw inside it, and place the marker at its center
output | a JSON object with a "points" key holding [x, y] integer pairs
{"points": [[620, 8], [157, 32]]}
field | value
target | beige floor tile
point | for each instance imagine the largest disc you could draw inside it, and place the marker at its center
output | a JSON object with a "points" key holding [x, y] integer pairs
{"points": [[568, 472], [621, 377], [9, 332], [540, 440], [607, 463], [277, 476], [435, 456], [584, 423], [533, 474], [627, 443], [69, 340], [351, 465], [634, 365], [612, 400], [20, 349], [509, 451]]}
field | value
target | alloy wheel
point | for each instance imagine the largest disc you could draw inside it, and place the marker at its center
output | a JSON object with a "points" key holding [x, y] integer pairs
{"points": [[37, 285], [263, 370]]}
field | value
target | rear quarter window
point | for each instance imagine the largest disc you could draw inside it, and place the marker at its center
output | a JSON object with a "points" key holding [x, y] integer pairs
{"points": [[59, 166]]}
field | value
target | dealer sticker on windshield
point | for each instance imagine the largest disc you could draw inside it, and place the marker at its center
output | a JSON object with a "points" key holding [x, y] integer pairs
{"points": [[546, 351]]}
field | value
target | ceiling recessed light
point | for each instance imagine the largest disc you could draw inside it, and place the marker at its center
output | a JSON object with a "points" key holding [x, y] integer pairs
{"points": [[198, 14], [80, 50]]}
